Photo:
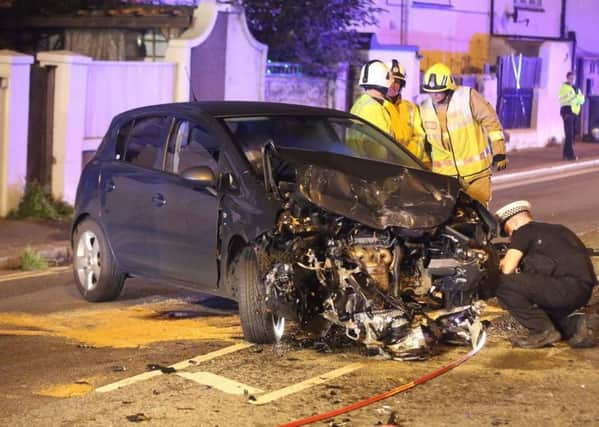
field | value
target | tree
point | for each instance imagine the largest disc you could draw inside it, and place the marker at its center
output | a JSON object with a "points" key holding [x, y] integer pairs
{"points": [[318, 34]]}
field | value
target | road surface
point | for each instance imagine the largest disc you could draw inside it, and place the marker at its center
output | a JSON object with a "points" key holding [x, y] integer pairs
{"points": [[64, 361]]}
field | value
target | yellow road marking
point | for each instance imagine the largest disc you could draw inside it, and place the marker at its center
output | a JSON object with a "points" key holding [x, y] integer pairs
{"points": [[277, 394], [78, 388], [226, 385], [29, 274], [180, 365], [117, 327]]}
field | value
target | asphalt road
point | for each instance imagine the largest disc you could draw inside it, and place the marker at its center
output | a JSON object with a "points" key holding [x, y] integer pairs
{"points": [[572, 199], [56, 349]]}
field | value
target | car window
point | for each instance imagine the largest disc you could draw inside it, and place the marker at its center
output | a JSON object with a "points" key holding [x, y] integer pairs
{"points": [[146, 140], [191, 146], [349, 137], [121, 140]]}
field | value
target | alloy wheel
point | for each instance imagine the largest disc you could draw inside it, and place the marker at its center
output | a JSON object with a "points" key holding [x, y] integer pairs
{"points": [[88, 263]]}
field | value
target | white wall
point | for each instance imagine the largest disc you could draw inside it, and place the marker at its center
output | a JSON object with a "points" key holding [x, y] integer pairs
{"points": [[87, 95], [437, 31], [244, 53], [529, 23], [245, 61], [448, 29], [582, 16], [556, 58], [14, 113], [114, 87], [408, 57], [69, 111]]}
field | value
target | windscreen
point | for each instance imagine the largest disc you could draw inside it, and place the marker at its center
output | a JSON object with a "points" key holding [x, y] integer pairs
{"points": [[347, 137]]}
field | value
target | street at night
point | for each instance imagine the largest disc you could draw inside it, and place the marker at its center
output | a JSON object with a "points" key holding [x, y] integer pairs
{"points": [[59, 350], [265, 213]]}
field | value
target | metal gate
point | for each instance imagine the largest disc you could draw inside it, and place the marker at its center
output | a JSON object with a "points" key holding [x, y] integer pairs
{"points": [[517, 76], [41, 124]]}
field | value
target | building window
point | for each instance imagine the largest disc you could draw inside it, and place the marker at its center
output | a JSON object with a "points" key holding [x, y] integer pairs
{"points": [[529, 4], [155, 44]]}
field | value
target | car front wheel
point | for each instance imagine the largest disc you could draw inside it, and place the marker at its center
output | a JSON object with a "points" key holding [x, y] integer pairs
{"points": [[94, 267], [260, 325]]}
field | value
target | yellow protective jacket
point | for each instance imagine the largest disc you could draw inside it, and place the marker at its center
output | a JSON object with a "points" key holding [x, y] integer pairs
{"points": [[406, 127], [373, 111], [457, 132], [569, 96], [376, 112]]}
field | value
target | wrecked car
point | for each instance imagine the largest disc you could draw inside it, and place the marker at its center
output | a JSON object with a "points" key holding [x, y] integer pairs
{"points": [[298, 213]]}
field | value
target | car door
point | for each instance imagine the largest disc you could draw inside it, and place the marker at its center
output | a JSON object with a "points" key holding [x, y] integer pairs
{"points": [[131, 195], [188, 221]]}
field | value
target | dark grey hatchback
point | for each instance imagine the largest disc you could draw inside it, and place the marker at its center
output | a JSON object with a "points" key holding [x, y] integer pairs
{"points": [[296, 212]]}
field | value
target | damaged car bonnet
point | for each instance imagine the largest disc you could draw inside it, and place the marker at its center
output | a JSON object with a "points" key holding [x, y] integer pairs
{"points": [[377, 194]]}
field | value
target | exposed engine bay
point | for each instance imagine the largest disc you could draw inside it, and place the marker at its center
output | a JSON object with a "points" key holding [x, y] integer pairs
{"points": [[395, 289]]}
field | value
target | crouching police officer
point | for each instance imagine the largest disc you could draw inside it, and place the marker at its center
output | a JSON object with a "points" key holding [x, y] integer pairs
{"points": [[547, 275]]}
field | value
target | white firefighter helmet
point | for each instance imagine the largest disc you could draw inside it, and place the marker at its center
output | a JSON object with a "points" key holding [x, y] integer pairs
{"points": [[375, 73]]}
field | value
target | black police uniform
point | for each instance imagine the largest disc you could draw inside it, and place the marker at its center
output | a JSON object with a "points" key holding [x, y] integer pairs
{"points": [[556, 278]]}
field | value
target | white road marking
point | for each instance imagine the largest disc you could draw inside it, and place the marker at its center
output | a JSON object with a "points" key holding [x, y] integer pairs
{"points": [[321, 379], [28, 274], [555, 171], [178, 366], [226, 385], [535, 180], [209, 356]]}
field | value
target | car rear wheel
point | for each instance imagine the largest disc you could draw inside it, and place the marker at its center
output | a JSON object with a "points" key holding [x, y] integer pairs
{"points": [[260, 325], [94, 267]]}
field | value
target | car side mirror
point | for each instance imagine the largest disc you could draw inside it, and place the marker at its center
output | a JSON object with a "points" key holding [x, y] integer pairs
{"points": [[201, 175]]}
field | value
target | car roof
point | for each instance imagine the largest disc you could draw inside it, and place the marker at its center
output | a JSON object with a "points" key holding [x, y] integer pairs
{"points": [[220, 109]]}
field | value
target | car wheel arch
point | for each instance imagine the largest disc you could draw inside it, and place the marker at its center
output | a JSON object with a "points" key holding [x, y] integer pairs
{"points": [[236, 245], [82, 217], [76, 221]]}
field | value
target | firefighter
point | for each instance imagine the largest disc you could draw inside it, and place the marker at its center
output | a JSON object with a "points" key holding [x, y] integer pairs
{"points": [[570, 101], [405, 117], [375, 79], [373, 107], [457, 121], [547, 275]]}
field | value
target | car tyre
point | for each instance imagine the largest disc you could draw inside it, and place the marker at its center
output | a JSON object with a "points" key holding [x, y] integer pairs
{"points": [[260, 325], [94, 267]]}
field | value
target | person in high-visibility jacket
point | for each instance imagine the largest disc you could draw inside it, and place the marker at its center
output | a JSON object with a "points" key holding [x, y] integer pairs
{"points": [[375, 79], [372, 106], [458, 123], [405, 116], [570, 101]]}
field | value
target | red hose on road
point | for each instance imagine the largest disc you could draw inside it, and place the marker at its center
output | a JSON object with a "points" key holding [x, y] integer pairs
{"points": [[393, 391]]}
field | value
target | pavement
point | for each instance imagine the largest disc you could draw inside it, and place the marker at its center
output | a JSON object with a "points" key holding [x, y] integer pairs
{"points": [[51, 238]]}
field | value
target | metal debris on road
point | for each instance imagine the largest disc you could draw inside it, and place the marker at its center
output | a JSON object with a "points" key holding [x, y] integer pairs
{"points": [[161, 368], [137, 418]]}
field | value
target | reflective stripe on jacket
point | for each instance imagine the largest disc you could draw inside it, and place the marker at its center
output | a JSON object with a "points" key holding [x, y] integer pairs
{"points": [[569, 96], [373, 112], [466, 152]]}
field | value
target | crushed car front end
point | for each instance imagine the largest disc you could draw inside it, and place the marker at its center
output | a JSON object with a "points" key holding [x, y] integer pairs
{"points": [[393, 254]]}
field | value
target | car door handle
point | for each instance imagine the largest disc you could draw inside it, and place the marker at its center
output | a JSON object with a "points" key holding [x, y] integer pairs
{"points": [[158, 200], [110, 186]]}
